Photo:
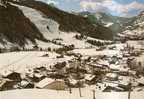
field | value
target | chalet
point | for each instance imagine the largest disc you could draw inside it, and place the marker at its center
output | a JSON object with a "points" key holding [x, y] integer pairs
{"points": [[113, 89], [36, 47], [71, 82], [112, 76], [57, 75], [38, 77], [125, 87], [57, 85], [90, 79], [44, 82], [7, 84], [141, 80], [26, 84], [97, 67], [41, 70], [49, 83], [14, 76], [60, 56], [60, 65]]}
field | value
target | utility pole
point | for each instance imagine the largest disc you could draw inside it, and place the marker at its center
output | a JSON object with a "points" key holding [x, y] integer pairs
{"points": [[130, 87], [77, 68], [80, 92], [129, 93], [93, 94]]}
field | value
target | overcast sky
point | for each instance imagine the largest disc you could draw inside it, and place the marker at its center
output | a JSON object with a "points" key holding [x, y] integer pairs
{"points": [[116, 7]]}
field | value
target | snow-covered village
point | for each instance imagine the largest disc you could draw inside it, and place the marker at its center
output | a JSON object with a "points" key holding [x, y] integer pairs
{"points": [[48, 53]]}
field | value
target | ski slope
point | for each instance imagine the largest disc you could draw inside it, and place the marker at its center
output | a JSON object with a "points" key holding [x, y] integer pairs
{"points": [[52, 32]]}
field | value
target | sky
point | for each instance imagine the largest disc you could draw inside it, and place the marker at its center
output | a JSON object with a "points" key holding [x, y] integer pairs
{"points": [[123, 8]]}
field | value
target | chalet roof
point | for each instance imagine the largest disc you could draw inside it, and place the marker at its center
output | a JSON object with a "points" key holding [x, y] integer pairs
{"points": [[38, 75], [89, 77], [109, 89], [141, 80], [112, 75], [44, 82]]}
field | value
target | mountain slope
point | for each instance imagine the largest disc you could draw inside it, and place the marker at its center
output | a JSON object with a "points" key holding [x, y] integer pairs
{"points": [[16, 28], [70, 22], [135, 29], [115, 23], [33, 22]]}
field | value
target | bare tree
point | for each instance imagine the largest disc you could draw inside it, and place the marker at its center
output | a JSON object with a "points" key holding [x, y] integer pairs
{"points": [[4, 2]]}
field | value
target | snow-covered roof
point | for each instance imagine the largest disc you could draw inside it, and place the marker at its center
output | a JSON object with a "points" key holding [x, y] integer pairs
{"points": [[73, 81], [89, 77], [111, 75], [39, 75], [141, 80]]}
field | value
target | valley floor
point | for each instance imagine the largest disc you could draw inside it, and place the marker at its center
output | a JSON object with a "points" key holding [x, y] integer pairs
{"points": [[24, 61]]}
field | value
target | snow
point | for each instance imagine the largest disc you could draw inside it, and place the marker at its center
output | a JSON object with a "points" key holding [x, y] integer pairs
{"points": [[136, 44], [103, 41], [23, 83], [69, 38], [51, 94], [93, 52], [41, 44], [45, 45], [50, 29], [89, 77], [141, 80], [44, 82], [42, 23], [108, 24], [21, 61], [111, 75]]}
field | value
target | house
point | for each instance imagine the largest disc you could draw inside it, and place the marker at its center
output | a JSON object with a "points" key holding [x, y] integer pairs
{"points": [[44, 82], [7, 84], [125, 87], [36, 48], [57, 85], [38, 77], [112, 76], [71, 82], [53, 84], [90, 79], [141, 81], [14, 76], [98, 67], [60, 65], [113, 89], [26, 84]]}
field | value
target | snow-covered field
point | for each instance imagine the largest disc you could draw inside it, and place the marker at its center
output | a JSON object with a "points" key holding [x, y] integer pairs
{"points": [[50, 94], [93, 52], [20, 61]]}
